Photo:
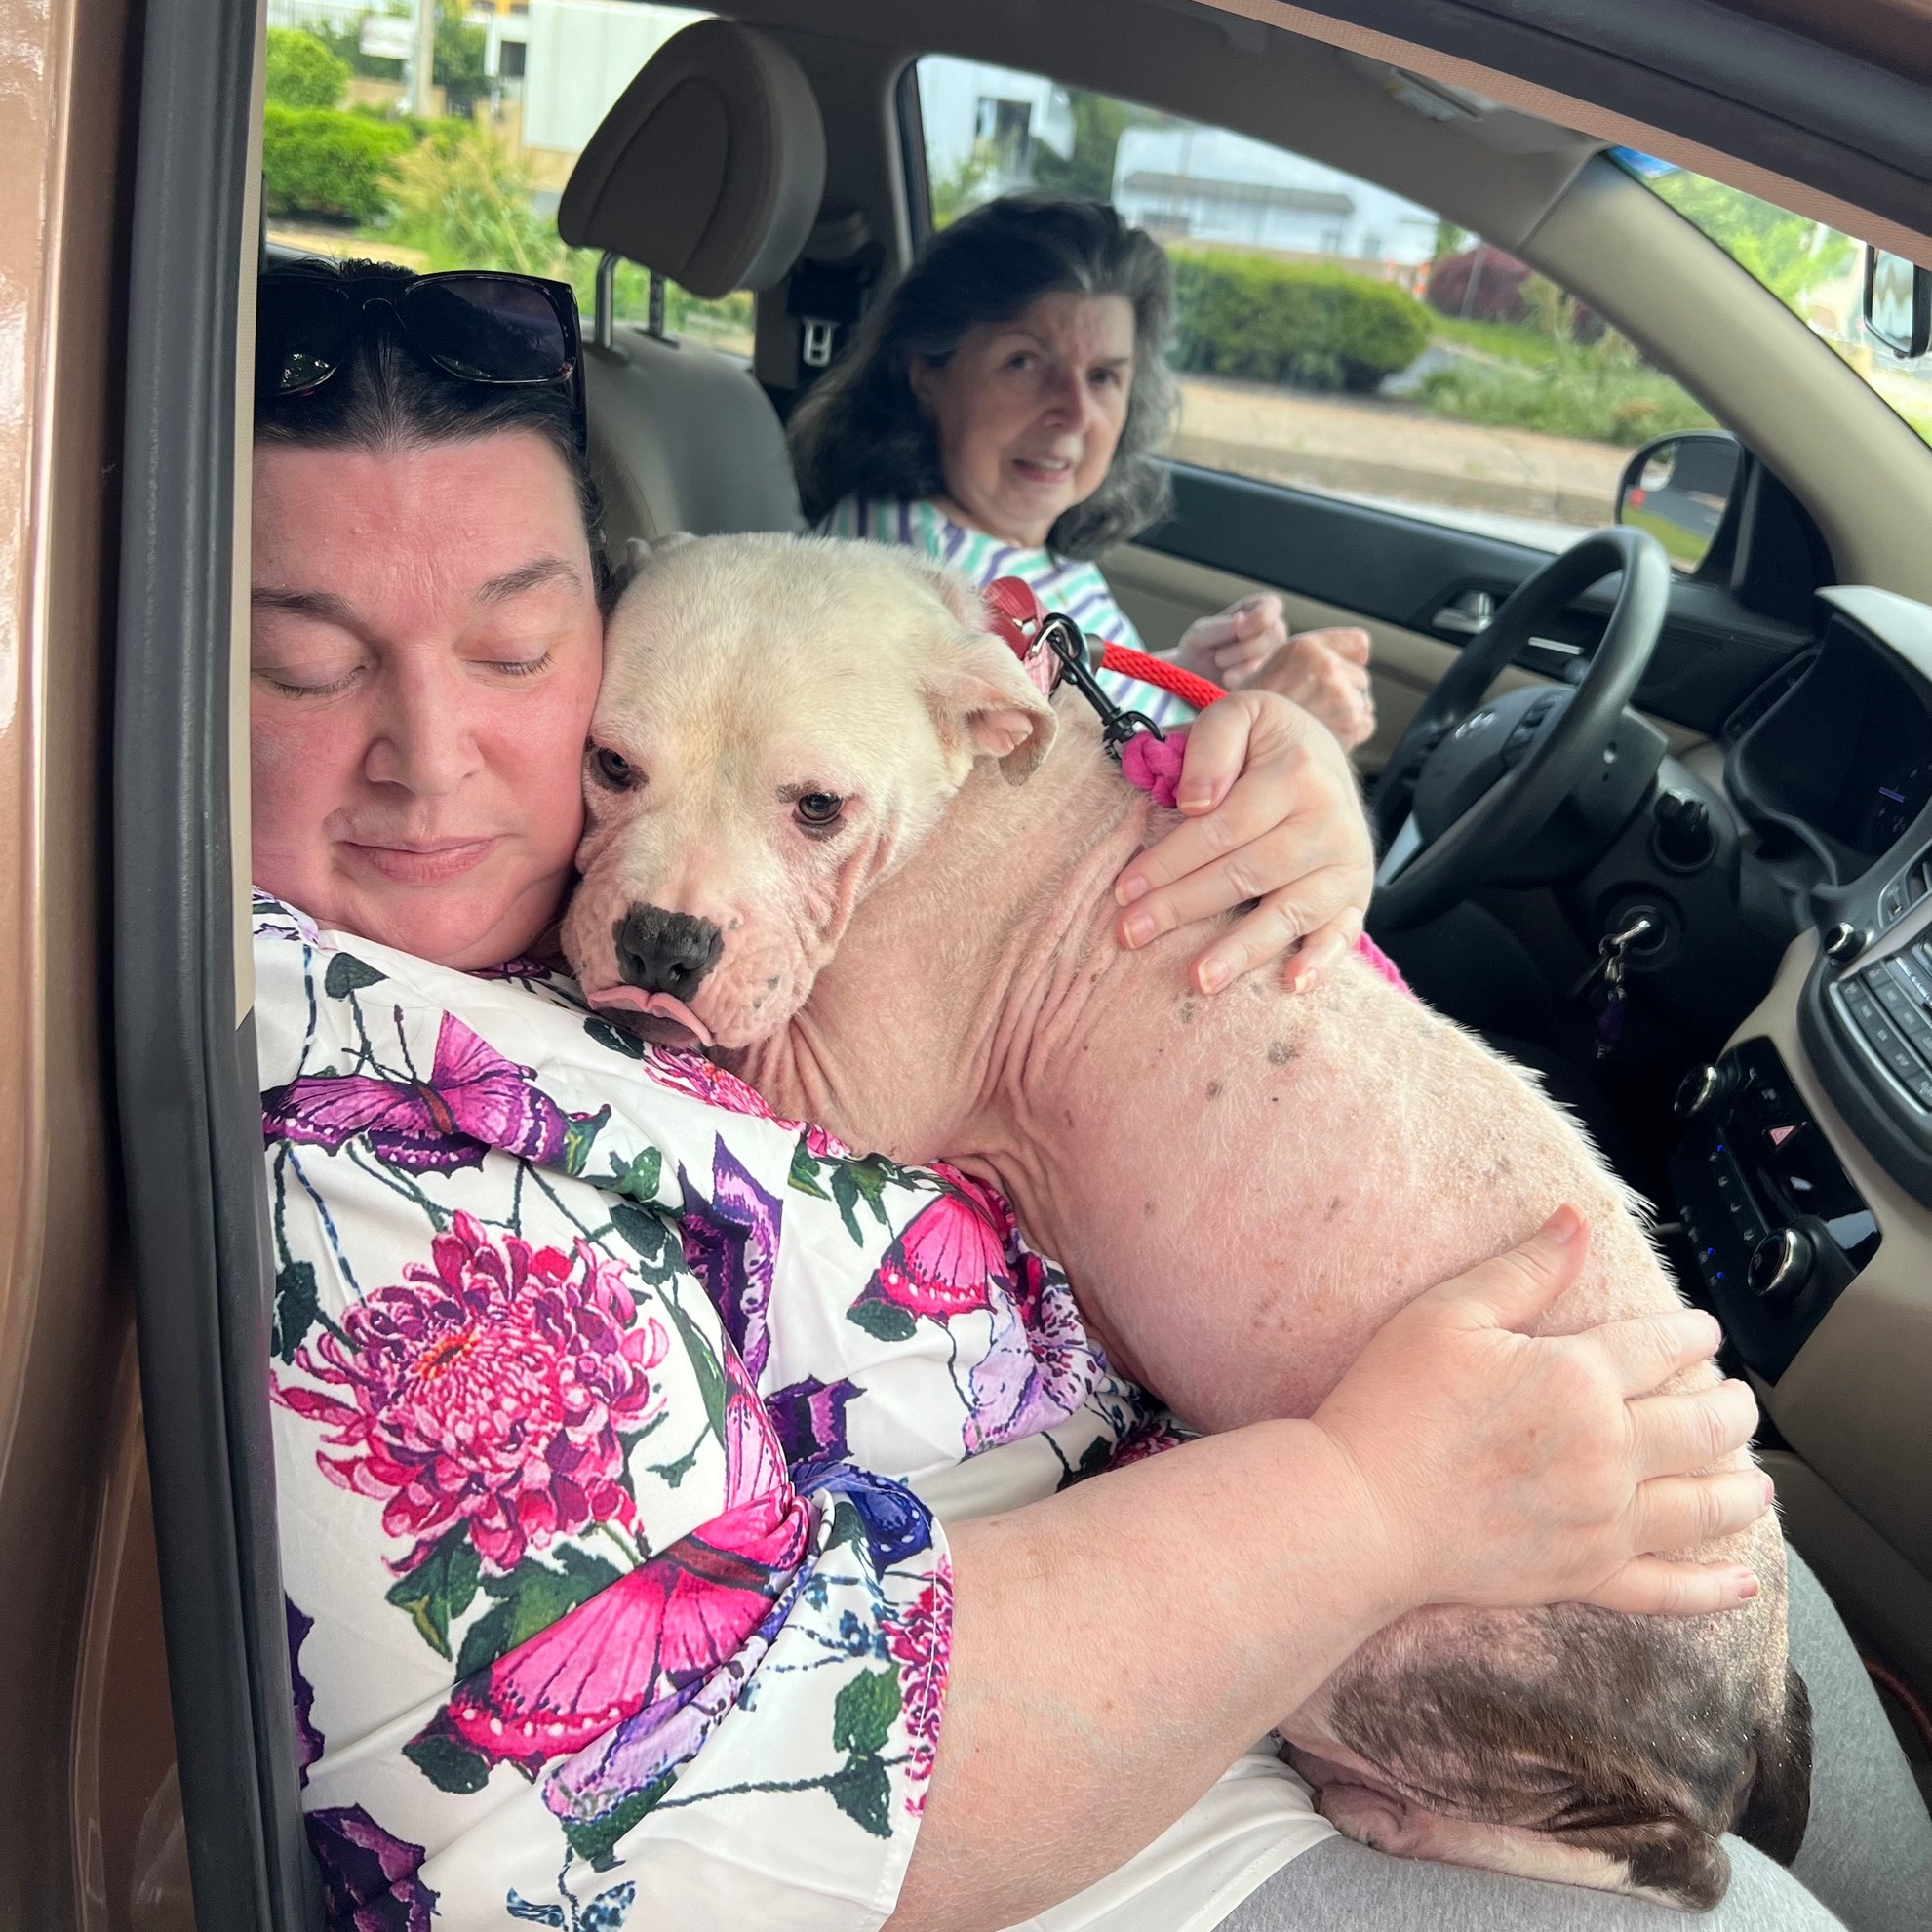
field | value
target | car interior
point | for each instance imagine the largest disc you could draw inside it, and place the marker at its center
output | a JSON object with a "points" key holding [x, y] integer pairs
{"points": [[1728, 792]]}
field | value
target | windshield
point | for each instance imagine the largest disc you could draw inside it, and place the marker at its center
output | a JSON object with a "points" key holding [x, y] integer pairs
{"points": [[1815, 271]]}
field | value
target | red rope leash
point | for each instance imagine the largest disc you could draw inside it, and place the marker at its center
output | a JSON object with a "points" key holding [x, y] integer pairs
{"points": [[1200, 692]]}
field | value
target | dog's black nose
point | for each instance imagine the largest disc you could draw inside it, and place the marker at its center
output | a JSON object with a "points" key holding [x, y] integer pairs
{"points": [[666, 952]]}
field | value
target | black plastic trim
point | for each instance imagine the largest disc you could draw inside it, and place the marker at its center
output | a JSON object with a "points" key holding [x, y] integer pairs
{"points": [[911, 123], [189, 1111], [1404, 567]]}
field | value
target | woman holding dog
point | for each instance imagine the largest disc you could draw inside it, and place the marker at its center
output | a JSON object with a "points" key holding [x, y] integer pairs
{"points": [[610, 1413]]}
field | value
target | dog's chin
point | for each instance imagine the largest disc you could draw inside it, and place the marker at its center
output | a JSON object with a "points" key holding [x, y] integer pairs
{"points": [[738, 1024]]}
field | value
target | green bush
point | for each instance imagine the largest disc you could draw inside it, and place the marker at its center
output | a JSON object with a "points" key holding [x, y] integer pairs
{"points": [[303, 72], [315, 160], [1269, 321]]}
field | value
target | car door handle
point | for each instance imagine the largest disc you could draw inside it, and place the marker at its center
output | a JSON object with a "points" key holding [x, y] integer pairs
{"points": [[1466, 615]]}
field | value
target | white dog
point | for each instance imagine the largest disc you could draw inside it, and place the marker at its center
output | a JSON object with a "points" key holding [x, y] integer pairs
{"points": [[784, 724]]}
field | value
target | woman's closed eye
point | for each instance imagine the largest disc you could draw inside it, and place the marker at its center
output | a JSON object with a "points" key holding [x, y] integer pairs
{"points": [[519, 667], [321, 678]]}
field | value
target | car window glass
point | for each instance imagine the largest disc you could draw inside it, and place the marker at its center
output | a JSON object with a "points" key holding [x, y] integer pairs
{"points": [[1330, 334], [469, 174], [1814, 270]]}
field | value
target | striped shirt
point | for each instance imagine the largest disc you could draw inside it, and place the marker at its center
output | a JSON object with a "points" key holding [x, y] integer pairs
{"points": [[1061, 583]]}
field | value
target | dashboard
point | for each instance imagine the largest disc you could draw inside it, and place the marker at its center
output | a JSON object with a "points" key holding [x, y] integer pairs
{"points": [[1832, 767], [1803, 1176]]}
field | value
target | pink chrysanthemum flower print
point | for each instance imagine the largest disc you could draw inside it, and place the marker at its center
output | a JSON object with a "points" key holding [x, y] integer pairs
{"points": [[693, 1074], [493, 1388]]}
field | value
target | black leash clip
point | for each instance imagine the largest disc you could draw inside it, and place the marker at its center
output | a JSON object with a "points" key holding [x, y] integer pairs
{"points": [[1118, 728]]}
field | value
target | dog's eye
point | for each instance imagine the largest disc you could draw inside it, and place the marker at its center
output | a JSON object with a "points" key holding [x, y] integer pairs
{"points": [[614, 770], [818, 811]]}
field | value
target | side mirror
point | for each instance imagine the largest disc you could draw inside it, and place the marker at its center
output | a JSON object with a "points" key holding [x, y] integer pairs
{"points": [[1898, 302], [1676, 489]]}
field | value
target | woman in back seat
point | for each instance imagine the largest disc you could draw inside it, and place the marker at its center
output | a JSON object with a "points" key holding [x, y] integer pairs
{"points": [[997, 410]]}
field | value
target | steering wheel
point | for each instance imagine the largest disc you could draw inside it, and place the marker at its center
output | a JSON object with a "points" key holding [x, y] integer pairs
{"points": [[1465, 788]]}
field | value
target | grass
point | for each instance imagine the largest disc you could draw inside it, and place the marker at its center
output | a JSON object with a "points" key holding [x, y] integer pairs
{"points": [[1684, 547], [1565, 396], [1501, 341]]}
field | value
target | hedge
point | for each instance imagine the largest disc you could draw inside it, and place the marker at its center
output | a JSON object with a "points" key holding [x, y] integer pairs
{"points": [[301, 70], [1269, 321], [318, 162]]}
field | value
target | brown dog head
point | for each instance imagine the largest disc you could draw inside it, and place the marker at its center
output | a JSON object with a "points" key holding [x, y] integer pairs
{"points": [[781, 721]]}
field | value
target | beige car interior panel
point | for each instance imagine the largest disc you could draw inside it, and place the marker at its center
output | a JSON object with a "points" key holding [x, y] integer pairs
{"points": [[1544, 104], [1853, 1404], [1163, 595], [64, 1301]]}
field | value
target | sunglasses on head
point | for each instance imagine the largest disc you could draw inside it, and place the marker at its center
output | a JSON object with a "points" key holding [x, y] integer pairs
{"points": [[476, 325]]}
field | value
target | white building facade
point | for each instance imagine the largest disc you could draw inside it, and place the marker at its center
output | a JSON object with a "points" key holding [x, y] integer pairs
{"points": [[1204, 185], [964, 105]]}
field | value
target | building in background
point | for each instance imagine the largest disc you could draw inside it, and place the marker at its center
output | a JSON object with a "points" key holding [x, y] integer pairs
{"points": [[970, 109], [1204, 185]]}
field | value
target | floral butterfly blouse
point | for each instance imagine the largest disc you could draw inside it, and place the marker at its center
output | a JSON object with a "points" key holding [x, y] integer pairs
{"points": [[611, 1414]]}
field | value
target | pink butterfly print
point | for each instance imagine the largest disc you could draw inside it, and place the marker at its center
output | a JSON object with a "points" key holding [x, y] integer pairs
{"points": [[657, 1630], [945, 1260], [473, 1099]]}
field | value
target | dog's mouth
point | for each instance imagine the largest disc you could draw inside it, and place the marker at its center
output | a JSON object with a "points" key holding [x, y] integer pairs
{"points": [[660, 1016]]}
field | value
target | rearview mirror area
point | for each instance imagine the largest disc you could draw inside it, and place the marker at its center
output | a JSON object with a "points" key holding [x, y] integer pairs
{"points": [[1678, 487], [1898, 304]]}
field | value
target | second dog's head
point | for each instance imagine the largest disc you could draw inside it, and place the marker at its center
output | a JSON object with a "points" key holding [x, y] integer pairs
{"points": [[781, 720]]}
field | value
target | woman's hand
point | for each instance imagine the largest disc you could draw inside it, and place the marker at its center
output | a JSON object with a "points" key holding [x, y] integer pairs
{"points": [[1234, 644], [1326, 674], [1248, 647], [1505, 1469], [1276, 820]]}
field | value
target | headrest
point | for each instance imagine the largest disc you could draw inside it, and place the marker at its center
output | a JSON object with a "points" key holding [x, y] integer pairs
{"points": [[710, 167]]}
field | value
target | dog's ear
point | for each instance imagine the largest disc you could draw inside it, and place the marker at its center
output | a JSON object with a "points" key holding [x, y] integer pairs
{"points": [[1774, 1811], [982, 701], [640, 551]]}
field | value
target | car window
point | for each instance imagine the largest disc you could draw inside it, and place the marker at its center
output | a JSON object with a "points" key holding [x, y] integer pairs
{"points": [[1814, 270], [1329, 333], [466, 173]]}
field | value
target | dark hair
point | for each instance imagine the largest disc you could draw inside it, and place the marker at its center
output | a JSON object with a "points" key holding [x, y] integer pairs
{"points": [[389, 397], [860, 432]]}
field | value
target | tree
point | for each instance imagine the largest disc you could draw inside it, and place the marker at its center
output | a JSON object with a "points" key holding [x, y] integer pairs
{"points": [[459, 55], [301, 70], [1788, 254], [1099, 122], [963, 185]]}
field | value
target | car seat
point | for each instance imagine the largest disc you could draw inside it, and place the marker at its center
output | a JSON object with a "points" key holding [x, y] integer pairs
{"points": [[708, 170]]}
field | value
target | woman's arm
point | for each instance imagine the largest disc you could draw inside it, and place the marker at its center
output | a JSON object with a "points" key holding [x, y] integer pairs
{"points": [[1116, 1647], [1276, 826]]}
